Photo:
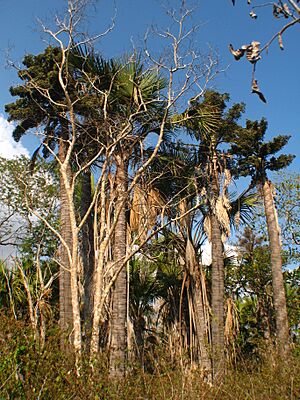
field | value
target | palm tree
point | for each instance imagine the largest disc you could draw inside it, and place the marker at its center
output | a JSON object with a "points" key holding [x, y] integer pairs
{"points": [[255, 157], [131, 110], [213, 170], [137, 93], [38, 106], [177, 189]]}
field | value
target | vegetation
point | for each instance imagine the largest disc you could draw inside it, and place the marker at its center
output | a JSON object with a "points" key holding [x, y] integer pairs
{"points": [[122, 262]]}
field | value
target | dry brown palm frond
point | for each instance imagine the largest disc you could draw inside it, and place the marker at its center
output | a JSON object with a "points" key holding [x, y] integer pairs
{"points": [[227, 179], [190, 259], [138, 213], [182, 206], [135, 209], [226, 202], [155, 204], [207, 309], [231, 329], [237, 218], [221, 210], [184, 220], [146, 205]]}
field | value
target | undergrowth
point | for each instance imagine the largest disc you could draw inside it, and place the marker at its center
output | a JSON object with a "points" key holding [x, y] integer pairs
{"points": [[30, 372]]}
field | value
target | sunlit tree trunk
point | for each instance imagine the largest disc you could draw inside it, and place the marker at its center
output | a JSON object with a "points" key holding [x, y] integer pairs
{"points": [[69, 290], [65, 298], [118, 344], [217, 294], [282, 326]]}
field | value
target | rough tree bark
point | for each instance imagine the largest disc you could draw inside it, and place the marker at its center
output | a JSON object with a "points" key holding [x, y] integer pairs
{"points": [[118, 342], [65, 298], [217, 304], [281, 316]]}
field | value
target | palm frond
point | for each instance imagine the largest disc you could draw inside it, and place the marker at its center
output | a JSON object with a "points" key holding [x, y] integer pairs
{"points": [[242, 207]]}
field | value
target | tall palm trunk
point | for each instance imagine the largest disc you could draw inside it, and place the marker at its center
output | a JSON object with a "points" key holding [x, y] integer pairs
{"points": [[87, 253], [217, 304], [282, 326], [119, 308], [65, 297]]}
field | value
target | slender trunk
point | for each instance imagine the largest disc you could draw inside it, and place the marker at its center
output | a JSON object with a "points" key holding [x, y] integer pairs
{"points": [[69, 293], [65, 298], [217, 304], [87, 253], [100, 245], [119, 307], [282, 326]]}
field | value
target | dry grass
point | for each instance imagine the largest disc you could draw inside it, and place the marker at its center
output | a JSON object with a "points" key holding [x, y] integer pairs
{"points": [[27, 372]]}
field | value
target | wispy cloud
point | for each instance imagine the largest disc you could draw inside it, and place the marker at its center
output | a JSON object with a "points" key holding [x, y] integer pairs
{"points": [[8, 147]]}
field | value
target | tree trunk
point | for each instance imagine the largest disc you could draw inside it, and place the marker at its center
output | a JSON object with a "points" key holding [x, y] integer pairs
{"points": [[118, 343], [87, 253], [201, 323], [65, 298], [217, 304], [69, 247], [281, 317]]}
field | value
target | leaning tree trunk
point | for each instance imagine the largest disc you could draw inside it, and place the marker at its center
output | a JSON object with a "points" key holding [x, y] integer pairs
{"points": [[118, 342], [87, 254], [281, 317], [217, 295], [65, 297]]}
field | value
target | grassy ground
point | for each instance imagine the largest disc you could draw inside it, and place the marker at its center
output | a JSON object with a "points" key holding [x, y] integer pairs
{"points": [[28, 372]]}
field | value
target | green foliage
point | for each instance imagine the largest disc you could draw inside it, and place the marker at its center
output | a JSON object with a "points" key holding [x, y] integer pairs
{"points": [[24, 194], [288, 206], [144, 290], [219, 127], [255, 157], [33, 107], [249, 282], [292, 286]]}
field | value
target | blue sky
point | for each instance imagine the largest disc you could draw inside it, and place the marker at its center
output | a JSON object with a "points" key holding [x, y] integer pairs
{"points": [[220, 24]]}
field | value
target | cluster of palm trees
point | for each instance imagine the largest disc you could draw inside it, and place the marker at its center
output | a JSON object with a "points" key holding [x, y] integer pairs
{"points": [[139, 202]]}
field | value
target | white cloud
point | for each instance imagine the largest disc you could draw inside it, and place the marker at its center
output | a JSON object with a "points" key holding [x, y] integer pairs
{"points": [[8, 147]]}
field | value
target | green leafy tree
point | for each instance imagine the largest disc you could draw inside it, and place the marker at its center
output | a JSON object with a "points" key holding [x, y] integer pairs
{"points": [[41, 103], [254, 158], [288, 205]]}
